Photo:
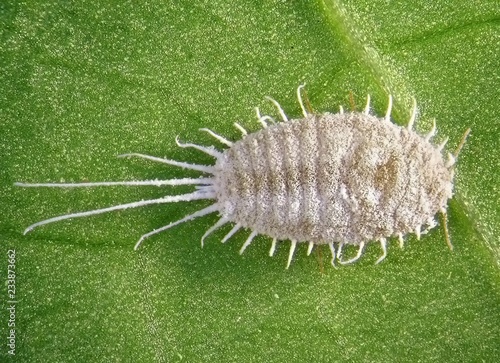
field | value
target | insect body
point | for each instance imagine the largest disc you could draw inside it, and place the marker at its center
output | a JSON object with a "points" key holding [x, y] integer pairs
{"points": [[345, 178]]}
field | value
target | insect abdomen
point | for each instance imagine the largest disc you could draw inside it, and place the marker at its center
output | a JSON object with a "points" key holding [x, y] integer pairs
{"points": [[343, 178]]}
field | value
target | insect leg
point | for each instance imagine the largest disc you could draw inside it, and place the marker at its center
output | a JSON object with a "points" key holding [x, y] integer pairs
{"points": [[441, 146], [167, 199], [445, 228], [200, 213], [432, 132], [183, 181], [462, 142], [355, 258], [217, 225], [273, 247], [401, 240], [242, 130], [290, 254], [207, 150], [235, 229], [367, 107], [332, 249], [203, 168], [262, 119], [221, 139], [310, 248], [417, 232], [339, 251], [248, 241], [413, 114], [282, 113], [389, 109], [301, 103], [383, 244]]}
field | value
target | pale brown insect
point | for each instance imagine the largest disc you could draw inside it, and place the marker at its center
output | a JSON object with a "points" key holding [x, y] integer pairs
{"points": [[345, 178]]}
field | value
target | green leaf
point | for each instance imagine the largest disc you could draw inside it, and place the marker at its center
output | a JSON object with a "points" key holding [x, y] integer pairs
{"points": [[82, 82]]}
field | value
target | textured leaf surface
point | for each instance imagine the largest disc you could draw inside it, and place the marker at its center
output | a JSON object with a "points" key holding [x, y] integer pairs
{"points": [[83, 82]]}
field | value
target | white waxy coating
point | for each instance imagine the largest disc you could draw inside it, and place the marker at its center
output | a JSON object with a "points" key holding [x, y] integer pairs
{"points": [[325, 178], [346, 178]]}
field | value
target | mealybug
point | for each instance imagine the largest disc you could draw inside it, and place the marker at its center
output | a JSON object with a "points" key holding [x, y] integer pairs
{"points": [[345, 178]]}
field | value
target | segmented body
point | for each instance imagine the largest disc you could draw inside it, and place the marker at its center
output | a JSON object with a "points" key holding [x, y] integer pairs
{"points": [[336, 179], [345, 178]]}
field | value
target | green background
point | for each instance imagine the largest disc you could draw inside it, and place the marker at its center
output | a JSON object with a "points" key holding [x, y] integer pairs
{"points": [[84, 81]]}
